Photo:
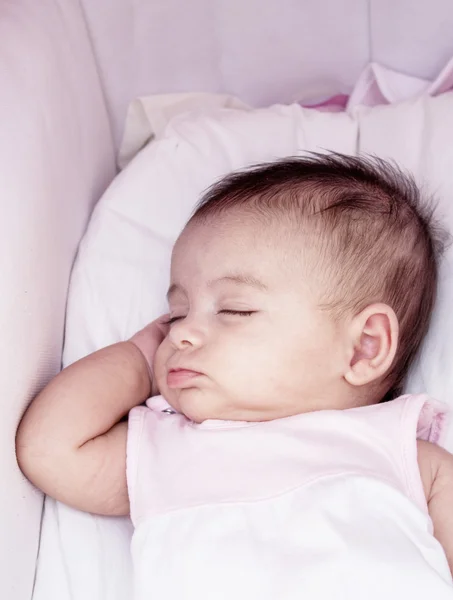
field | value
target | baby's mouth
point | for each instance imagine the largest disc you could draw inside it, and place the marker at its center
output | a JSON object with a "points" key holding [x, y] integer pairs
{"points": [[182, 378]]}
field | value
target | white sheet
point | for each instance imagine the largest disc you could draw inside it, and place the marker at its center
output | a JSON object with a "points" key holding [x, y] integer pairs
{"points": [[121, 273]]}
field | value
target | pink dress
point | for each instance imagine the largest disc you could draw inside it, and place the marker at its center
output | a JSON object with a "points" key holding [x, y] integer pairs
{"points": [[323, 505]]}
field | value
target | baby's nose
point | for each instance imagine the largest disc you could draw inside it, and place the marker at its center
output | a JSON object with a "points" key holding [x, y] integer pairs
{"points": [[186, 334]]}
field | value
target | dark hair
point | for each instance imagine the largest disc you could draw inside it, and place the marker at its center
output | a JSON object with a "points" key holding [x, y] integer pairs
{"points": [[377, 238]]}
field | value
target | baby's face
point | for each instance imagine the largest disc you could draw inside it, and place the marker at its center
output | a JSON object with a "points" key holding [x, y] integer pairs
{"points": [[246, 319]]}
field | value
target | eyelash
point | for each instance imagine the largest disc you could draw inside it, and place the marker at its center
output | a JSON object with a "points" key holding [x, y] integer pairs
{"points": [[242, 313]]}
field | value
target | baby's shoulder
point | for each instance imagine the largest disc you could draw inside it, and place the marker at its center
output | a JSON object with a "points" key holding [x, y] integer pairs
{"points": [[436, 468]]}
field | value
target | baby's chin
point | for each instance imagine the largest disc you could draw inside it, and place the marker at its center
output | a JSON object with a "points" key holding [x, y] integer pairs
{"points": [[199, 406], [195, 409], [187, 403]]}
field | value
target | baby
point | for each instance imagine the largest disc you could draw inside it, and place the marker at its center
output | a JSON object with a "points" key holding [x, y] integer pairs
{"points": [[279, 460]]}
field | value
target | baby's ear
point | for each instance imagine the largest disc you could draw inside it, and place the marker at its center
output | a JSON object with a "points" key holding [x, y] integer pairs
{"points": [[374, 340]]}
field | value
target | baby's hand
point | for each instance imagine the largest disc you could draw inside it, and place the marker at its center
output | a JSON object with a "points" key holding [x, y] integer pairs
{"points": [[148, 340]]}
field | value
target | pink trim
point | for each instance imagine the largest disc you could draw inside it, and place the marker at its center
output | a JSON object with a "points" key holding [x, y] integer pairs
{"points": [[336, 103], [428, 419], [134, 439], [409, 423]]}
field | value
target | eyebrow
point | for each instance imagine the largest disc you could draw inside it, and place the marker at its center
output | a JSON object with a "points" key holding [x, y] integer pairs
{"points": [[237, 278]]}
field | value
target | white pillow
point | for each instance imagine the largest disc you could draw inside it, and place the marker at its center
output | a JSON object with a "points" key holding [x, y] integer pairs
{"points": [[121, 273]]}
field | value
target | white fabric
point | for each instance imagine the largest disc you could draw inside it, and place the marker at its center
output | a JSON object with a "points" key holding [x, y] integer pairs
{"points": [[378, 84], [121, 273], [384, 560], [262, 51], [56, 158], [148, 116], [258, 511]]}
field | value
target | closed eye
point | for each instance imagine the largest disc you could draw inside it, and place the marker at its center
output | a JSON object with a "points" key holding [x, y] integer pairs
{"points": [[173, 320], [242, 313]]}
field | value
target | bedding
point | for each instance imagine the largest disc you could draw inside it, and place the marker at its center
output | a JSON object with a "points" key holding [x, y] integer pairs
{"points": [[121, 272], [147, 116]]}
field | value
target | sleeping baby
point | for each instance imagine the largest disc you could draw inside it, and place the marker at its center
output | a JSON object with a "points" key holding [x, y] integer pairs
{"points": [[257, 434]]}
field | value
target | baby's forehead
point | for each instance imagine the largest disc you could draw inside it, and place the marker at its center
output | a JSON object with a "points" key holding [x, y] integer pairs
{"points": [[235, 233], [241, 246]]}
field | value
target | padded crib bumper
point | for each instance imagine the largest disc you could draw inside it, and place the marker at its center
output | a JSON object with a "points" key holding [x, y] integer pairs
{"points": [[55, 160]]}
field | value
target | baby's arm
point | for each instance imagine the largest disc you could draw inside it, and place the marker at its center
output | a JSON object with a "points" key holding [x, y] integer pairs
{"points": [[71, 442], [436, 469]]}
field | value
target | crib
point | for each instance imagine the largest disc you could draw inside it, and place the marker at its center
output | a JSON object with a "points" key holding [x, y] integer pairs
{"points": [[68, 71]]}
